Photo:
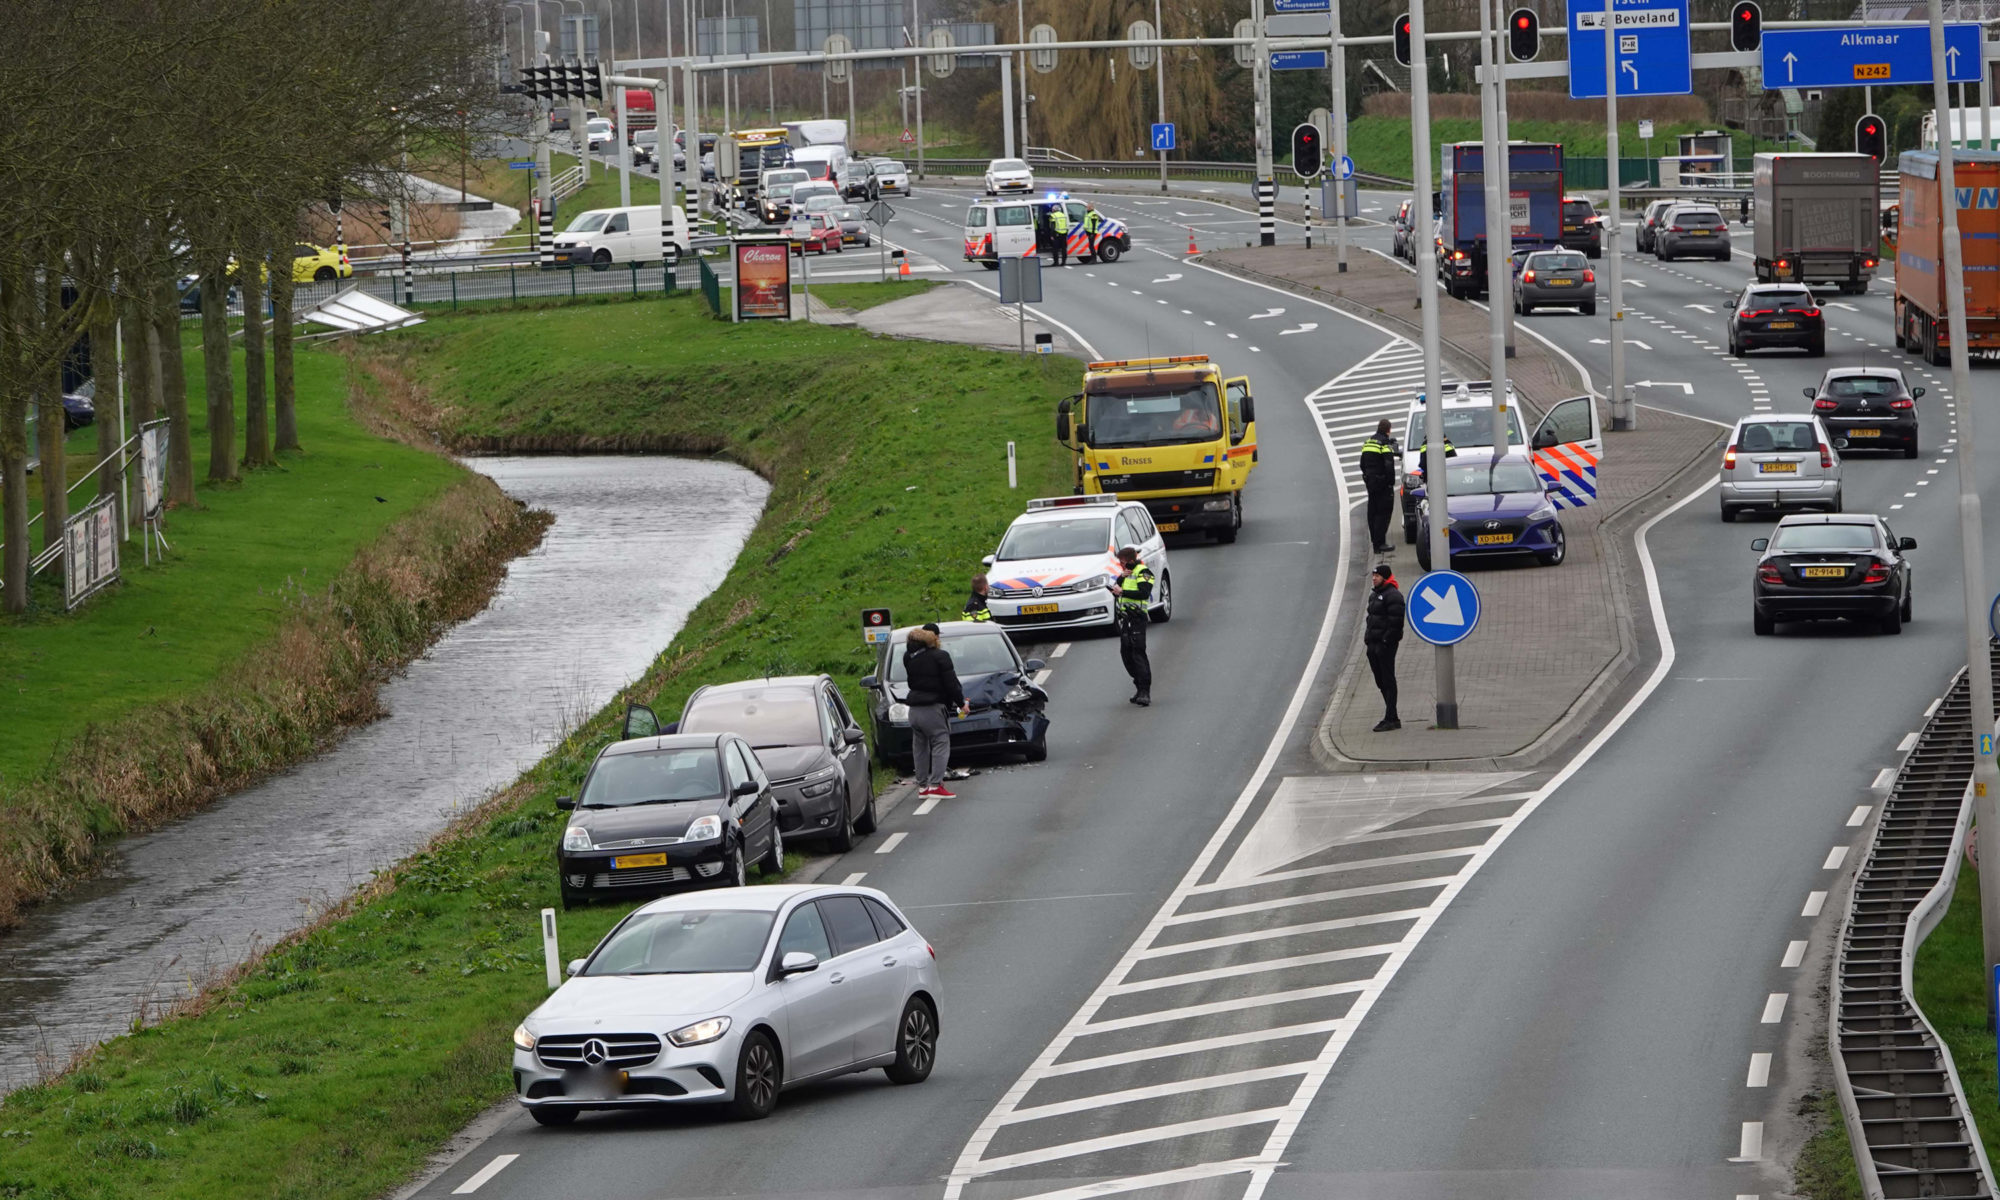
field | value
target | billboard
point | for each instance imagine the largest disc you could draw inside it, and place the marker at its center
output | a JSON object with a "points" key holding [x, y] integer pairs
{"points": [[763, 280], [90, 550]]}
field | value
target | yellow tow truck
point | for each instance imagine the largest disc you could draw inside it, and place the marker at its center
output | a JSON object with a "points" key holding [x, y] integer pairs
{"points": [[1171, 433]]}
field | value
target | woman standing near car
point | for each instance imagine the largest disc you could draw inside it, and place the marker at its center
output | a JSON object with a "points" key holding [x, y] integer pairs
{"points": [[934, 695]]}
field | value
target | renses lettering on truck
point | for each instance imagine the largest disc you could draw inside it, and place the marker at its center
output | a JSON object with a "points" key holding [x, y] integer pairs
{"points": [[1917, 222], [1172, 433]]}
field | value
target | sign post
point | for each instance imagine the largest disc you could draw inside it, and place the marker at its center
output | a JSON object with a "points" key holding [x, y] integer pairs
{"points": [[1020, 286], [876, 626]]}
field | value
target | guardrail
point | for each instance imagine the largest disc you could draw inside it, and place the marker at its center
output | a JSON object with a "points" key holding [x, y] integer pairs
{"points": [[1146, 168], [1899, 1089]]}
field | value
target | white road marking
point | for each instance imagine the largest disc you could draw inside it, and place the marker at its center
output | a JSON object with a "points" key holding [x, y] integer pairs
{"points": [[1858, 817], [1168, 278], [1061, 649], [1774, 1008], [1909, 740], [1795, 953], [1041, 677], [1304, 327], [1834, 858], [1814, 902], [1760, 1071], [484, 1174], [1751, 1148], [1281, 931], [1272, 312], [1232, 337], [1174, 1088], [853, 879], [894, 840]]}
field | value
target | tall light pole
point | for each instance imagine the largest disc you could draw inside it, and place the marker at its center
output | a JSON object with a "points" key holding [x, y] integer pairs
{"points": [[1021, 59], [1427, 295], [1621, 401], [1337, 55], [1160, 64], [1499, 226], [1506, 167], [917, 39]]}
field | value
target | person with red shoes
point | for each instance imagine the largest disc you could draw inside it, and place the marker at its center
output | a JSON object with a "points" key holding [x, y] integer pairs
{"points": [[934, 695]]}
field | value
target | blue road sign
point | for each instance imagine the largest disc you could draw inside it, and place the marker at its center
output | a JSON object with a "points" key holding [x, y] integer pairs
{"points": [[1163, 136], [1654, 58], [1298, 60], [1871, 57], [1344, 168], [520, 166], [1443, 608], [1300, 6]]}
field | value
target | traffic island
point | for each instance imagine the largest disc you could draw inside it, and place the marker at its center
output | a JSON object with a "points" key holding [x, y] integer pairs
{"points": [[1553, 644]]}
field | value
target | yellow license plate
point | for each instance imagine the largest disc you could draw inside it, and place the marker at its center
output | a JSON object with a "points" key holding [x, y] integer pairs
{"points": [[1784, 324], [1823, 572], [1561, 282], [1494, 539], [1030, 610], [639, 860], [1170, 527], [1702, 232], [1864, 433], [1778, 468]]}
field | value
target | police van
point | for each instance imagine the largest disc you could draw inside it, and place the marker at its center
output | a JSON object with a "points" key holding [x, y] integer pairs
{"points": [[997, 229]]}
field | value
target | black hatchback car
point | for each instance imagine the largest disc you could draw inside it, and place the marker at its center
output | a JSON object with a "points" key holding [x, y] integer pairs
{"points": [[657, 811], [1008, 710], [1821, 567], [1867, 408], [1768, 315], [811, 745]]}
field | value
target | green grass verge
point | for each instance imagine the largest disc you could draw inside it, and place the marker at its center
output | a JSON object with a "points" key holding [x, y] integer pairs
{"points": [[1382, 144], [1951, 988], [336, 1065], [1825, 1168]]}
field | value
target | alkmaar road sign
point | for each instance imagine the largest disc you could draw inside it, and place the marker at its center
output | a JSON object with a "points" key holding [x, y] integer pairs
{"points": [[1653, 53], [1866, 57], [1443, 607]]}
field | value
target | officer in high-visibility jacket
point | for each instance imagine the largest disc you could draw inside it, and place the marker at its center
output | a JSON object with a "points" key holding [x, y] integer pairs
{"points": [[1379, 457], [1059, 226], [1092, 222], [1134, 590]]}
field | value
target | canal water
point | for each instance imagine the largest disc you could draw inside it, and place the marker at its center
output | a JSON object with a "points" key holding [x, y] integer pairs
{"points": [[637, 542]]}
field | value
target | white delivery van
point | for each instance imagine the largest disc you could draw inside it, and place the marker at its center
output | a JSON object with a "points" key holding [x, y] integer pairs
{"points": [[604, 236], [997, 229], [821, 162]]}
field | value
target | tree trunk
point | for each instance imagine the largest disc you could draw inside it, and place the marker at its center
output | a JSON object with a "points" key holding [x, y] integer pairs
{"points": [[104, 372], [14, 451], [142, 372], [49, 425], [166, 344], [216, 381], [256, 405], [282, 382]]}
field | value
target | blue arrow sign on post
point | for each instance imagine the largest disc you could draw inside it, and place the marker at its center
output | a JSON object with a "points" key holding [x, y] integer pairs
{"points": [[1163, 135], [1443, 608], [1653, 51], [1298, 60], [1344, 168], [1867, 57]]}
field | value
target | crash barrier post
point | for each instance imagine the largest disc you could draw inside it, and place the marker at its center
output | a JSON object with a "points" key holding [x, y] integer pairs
{"points": [[551, 956]]}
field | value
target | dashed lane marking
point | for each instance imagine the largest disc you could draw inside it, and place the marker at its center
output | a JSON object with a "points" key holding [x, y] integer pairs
{"points": [[1814, 902], [484, 1174], [894, 840], [853, 879]]}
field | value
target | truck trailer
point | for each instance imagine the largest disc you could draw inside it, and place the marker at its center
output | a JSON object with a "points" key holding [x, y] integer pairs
{"points": [[1918, 221], [1818, 219], [1534, 208]]}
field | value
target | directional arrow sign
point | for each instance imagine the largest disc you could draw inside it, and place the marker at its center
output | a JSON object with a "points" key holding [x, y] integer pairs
{"points": [[1306, 327], [1686, 387], [1653, 53], [1866, 57], [1276, 312], [1839, 304], [1444, 609], [1703, 307], [1168, 278]]}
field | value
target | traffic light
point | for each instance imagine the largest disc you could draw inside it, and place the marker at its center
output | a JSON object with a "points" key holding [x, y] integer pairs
{"points": [[1307, 158], [1524, 35], [1402, 39], [1746, 25], [1871, 136]]}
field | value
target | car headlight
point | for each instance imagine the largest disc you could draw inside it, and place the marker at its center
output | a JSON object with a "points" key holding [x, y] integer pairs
{"points": [[1217, 505], [1546, 512], [819, 783], [899, 714], [523, 1038], [1094, 582], [699, 1032], [1017, 694], [576, 837], [703, 829]]}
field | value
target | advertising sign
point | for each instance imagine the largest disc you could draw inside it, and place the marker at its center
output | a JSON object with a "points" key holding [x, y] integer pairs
{"points": [[763, 281], [90, 550], [152, 470]]}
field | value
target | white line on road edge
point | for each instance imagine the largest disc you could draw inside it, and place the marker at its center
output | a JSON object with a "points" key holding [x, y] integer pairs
{"points": [[1774, 1008], [1760, 1071], [485, 1173], [1061, 649], [1909, 740], [930, 802], [1884, 779], [1795, 953], [1814, 902], [853, 879], [894, 840], [1834, 858], [1751, 1148], [1039, 315], [1858, 817]]}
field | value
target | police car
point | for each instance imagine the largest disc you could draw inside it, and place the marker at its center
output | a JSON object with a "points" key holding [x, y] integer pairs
{"points": [[1567, 443], [997, 229], [1058, 561]]}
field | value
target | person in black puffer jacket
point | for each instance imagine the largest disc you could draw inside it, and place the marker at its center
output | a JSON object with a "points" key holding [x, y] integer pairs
{"points": [[934, 695], [1382, 634]]}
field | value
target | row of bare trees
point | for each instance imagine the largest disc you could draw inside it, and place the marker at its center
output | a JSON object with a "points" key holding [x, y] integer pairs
{"points": [[148, 146]]}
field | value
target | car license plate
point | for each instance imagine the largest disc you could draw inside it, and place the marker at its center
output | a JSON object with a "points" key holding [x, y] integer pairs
{"points": [[1784, 324], [1561, 282], [639, 860], [1823, 572], [1702, 232], [1778, 468], [1494, 539], [1170, 526], [1875, 433], [1030, 610]]}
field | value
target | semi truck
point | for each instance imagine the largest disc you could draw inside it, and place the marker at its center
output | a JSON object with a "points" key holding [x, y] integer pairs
{"points": [[1534, 208], [1818, 219], [1917, 221]]}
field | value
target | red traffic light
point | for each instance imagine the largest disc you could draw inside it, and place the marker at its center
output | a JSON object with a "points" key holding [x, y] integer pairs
{"points": [[1746, 26], [1871, 137], [1524, 34], [1401, 38]]}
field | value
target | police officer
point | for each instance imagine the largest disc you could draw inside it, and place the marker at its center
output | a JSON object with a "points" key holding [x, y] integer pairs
{"points": [[975, 605], [1134, 590], [1059, 227], [1380, 637], [1092, 222], [1378, 473]]}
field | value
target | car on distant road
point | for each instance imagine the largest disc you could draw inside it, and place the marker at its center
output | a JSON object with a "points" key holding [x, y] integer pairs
{"points": [[1779, 461], [1817, 568], [320, 264], [1008, 709], [1642, 237], [1499, 506], [1582, 228], [853, 225], [1057, 562], [1400, 243], [1009, 175], [1555, 278], [79, 408], [817, 232], [660, 811], [891, 176], [1773, 315], [809, 743], [602, 237], [856, 180], [774, 193], [1691, 230], [645, 147], [731, 1000], [805, 190], [708, 166], [1868, 408], [597, 132]]}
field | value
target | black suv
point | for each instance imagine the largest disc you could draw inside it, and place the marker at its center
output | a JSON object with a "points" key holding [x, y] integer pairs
{"points": [[1776, 314], [1867, 408], [1581, 228]]}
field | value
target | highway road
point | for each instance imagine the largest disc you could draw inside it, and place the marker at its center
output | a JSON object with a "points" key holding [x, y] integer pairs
{"points": [[1181, 961]]}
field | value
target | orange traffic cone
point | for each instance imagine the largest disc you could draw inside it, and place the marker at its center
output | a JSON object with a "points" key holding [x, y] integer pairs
{"points": [[1191, 246], [903, 267]]}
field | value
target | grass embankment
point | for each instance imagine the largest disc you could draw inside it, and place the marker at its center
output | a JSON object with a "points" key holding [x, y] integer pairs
{"points": [[494, 180], [336, 1065], [1951, 984], [1382, 144], [283, 598]]}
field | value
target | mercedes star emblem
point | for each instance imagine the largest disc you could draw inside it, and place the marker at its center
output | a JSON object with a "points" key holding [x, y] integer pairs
{"points": [[595, 1053]]}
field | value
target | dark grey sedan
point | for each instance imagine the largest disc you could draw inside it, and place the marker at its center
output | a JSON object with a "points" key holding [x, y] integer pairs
{"points": [[814, 749], [1555, 278]]}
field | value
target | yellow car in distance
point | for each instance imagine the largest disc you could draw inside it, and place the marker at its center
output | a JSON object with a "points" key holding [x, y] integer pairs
{"points": [[320, 264]]}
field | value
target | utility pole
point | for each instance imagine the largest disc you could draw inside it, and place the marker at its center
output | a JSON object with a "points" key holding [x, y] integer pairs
{"points": [[1506, 167], [1427, 295], [1337, 55], [1021, 60], [1267, 184], [1160, 69], [1499, 228], [543, 191], [1978, 669], [917, 39], [1621, 402], [1007, 110]]}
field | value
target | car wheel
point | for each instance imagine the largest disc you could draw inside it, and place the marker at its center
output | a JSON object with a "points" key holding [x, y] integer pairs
{"points": [[1817, 349], [1735, 347], [1409, 532], [1517, 306], [1893, 623], [1108, 252], [1590, 309], [758, 1076], [1554, 557], [1839, 502], [1165, 612], [865, 824], [735, 873], [552, 1118], [1910, 451], [991, 266], [1909, 604], [601, 261], [841, 837], [1728, 515], [1038, 750], [916, 1043], [1762, 625], [572, 899], [774, 858], [324, 275], [1424, 554]]}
